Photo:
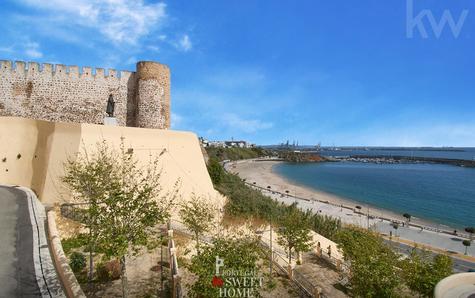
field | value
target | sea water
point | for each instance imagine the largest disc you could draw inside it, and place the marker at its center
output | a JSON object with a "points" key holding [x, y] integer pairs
{"points": [[443, 194]]}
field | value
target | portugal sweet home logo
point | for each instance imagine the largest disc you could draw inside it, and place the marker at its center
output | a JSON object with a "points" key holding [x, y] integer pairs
{"points": [[235, 283]]}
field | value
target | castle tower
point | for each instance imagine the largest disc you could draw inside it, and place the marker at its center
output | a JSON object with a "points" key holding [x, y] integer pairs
{"points": [[153, 95]]}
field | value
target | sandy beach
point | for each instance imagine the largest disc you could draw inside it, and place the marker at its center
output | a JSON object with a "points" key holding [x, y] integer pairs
{"points": [[259, 173]]}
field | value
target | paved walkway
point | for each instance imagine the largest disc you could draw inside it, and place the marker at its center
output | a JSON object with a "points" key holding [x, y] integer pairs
{"points": [[443, 241], [319, 273], [26, 270]]}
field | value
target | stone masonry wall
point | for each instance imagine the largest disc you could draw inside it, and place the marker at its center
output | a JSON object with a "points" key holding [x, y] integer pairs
{"points": [[153, 95], [62, 93]]}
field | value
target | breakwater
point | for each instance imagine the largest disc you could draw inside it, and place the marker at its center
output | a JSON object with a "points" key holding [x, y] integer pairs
{"points": [[407, 159]]}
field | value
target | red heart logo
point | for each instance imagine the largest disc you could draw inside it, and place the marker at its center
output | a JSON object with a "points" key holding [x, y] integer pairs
{"points": [[217, 282]]}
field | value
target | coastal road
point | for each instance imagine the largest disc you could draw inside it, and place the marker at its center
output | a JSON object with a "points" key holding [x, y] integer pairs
{"points": [[25, 267], [17, 271], [459, 265]]}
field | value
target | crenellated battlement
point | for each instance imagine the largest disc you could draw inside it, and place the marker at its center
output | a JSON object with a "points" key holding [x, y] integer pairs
{"points": [[49, 70], [71, 93]]}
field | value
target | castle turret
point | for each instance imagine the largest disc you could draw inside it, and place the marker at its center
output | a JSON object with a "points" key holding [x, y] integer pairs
{"points": [[153, 95]]}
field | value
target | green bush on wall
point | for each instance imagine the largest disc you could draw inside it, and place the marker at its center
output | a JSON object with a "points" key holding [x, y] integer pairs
{"points": [[77, 261]]}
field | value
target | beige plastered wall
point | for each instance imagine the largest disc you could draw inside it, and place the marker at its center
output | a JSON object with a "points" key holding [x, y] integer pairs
{"points": [[33, 153]]}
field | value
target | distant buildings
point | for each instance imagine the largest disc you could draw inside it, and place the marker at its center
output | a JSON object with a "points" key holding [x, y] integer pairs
{"points": [[225, 144]]}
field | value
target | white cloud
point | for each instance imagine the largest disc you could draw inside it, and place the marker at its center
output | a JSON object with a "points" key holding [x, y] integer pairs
{"points": [[32, 50], [185, 43], [234, 121], [120, 21]]}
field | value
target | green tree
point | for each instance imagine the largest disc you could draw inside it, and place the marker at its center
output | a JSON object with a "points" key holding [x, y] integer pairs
{"points": [[373, 264], [421, 272], [87, 177], [466, 243], [294, 230], [325, 225], [395, 226], [238, 254], [130, 204], [215, 170], [198, 216]]}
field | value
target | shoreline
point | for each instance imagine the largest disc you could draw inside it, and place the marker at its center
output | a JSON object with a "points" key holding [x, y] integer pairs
{"points": [[260, 173]]}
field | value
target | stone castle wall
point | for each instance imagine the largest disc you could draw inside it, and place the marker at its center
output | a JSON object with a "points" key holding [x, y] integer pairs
{"points": [[62, 93]]}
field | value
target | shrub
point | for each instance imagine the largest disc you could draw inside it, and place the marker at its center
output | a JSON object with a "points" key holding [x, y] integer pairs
{"points": [[108, 271], [77, 261], [215, 170], [235, 153], [248, 202], [77, 241]]}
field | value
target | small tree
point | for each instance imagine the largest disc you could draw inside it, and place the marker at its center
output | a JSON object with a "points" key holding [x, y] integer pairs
{"points": [[466, 243], [129, 201], [373, 271], [87, 177], [294, 231], [421, 272], [407, 216], [395, 226], [197, 215]]}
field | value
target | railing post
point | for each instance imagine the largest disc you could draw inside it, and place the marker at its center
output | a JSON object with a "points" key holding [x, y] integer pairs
{"points": [[317, 293], [338, 265], [319, 249], [175, 284], [290, 271]]}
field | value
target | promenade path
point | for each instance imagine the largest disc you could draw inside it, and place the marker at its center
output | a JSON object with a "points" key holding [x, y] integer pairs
{"points": [[428, 237]]}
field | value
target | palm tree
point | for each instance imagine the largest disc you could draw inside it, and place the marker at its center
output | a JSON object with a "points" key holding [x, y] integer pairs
{"points": [[466, 243]]}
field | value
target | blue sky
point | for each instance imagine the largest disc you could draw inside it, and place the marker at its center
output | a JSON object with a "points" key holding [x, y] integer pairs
{"points": [[336, 72]]}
